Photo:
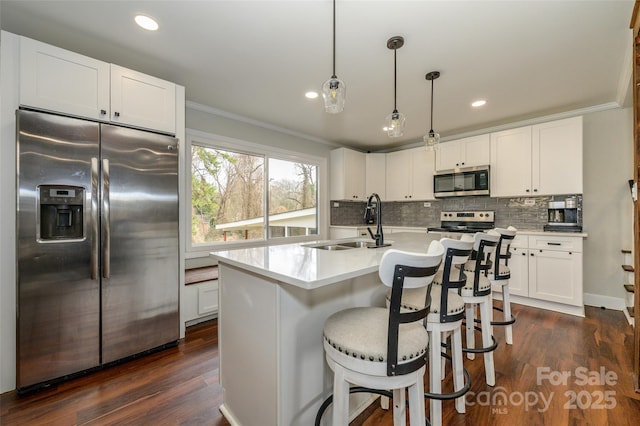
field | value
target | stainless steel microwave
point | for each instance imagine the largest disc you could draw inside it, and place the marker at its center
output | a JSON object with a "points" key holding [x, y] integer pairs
{"points": [[461, 182]]}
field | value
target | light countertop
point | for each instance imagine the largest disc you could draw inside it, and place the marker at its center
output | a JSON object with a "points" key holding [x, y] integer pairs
{"points": [[309, 268]]}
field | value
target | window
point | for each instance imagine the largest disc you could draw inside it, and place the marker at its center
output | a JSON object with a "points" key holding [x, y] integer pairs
{"points": [[230, 191]]}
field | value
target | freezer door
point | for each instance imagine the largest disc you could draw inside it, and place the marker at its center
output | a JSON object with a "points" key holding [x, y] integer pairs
{"points": [[58, 325], [139, 241]]}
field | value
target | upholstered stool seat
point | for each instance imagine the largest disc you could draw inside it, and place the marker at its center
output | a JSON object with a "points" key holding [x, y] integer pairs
{"points": [[379, 349], [359, 335]]}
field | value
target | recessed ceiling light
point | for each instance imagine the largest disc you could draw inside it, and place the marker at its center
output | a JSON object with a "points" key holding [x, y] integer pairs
{"points": [[146, 22], [478, 103], [311, 95]]}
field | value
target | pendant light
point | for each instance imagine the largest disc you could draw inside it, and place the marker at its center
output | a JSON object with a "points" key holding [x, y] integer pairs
{"points": [[395, 120], [334, 90], [432, 139]]}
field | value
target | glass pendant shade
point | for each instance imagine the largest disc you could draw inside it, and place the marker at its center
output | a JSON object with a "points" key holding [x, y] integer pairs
{"points": [[395, 124], [334, 94], [431, 139]]}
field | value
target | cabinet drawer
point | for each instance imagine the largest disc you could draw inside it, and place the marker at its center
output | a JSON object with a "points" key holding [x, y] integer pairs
{"points": [[555, 243]]}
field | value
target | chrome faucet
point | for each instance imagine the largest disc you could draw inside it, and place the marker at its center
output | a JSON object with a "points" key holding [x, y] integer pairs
{"points": [[379, 235]]}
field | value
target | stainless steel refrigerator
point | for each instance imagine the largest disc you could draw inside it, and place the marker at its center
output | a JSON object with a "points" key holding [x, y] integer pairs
{"points": [[97, 237]]}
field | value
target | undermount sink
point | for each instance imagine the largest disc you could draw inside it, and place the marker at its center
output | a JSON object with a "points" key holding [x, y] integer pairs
{"points": [[333, 247], [346, 245]]}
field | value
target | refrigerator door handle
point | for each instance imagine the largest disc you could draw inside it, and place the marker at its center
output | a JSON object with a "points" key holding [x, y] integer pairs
{"points": [[106, 224], [94, 218]]}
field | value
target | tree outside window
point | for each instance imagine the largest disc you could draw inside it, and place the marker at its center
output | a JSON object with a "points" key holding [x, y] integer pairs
{"points": [[228, 197]]}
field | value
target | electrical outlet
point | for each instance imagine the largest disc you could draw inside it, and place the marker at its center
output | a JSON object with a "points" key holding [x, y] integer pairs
{"points": [[336, 204], [426, 204], [529, 202]]}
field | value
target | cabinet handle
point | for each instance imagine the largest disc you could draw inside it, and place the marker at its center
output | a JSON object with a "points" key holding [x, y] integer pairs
{"points": [[554, 244], [535, 190], [410, 196], [463, 164], [527, 190], [524, 254], [117, 114], [103, 112], [531, 254]]}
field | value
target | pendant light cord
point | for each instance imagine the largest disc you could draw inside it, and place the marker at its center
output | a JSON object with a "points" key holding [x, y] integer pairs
{"points": [[334, 40], [395, 80], [431, 127]]}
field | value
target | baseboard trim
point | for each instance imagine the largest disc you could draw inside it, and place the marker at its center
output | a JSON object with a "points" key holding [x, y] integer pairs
{"points": [[598, 300]]}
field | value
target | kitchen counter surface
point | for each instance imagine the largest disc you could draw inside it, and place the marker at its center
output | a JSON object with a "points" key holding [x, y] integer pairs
{"points": [[306, 267], [552, 233]]}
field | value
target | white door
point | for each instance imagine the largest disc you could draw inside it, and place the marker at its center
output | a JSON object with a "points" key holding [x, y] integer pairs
{"points": [[519, 267], [556, 276], [143, 101], [58, 80], [422, 165], [398, 175], [511, 163]]}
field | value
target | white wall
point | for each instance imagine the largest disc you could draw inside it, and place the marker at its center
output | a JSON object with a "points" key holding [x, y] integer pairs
{"points": [[608, 209], [8, 105]]}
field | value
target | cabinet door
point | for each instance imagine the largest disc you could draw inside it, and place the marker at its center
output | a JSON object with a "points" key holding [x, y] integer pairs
{"points": [[58, 80], [347, 174], [519, 266], [448, 155], [556, 276], [476, 151], [511, 163], [557, 157], [422, 165], [398, 175], [141, 100], [376, 175]]}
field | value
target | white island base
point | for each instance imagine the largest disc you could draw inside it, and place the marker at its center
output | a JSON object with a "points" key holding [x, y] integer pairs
{"points": [[272, 363]]}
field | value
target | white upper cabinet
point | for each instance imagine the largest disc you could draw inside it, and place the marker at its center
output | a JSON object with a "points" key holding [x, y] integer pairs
{"points": [[468, 152], [510, 172], [348, 168], [557, 157], [410, 175], [58, 80], [376, 175], [141, 100], [544, 159]]}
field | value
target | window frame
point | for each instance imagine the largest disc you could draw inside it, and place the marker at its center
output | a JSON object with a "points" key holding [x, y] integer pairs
{"points": [[213, 141]]}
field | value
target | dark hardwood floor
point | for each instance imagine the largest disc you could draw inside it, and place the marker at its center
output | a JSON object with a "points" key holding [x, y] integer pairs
{"points": [[180, 385]]}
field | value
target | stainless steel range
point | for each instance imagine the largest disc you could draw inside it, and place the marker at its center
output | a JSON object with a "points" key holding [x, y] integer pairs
{"points": [[465, 222]]}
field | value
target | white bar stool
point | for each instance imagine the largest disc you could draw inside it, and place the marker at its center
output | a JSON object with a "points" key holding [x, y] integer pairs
{"points": [[381, 348], [477, 293], [500, 274], [445, 318]]}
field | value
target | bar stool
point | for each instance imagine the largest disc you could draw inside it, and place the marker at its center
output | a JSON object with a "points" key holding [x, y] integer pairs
{"points": [[445, 318], [500, 275], [477, 294], [382, 349]]}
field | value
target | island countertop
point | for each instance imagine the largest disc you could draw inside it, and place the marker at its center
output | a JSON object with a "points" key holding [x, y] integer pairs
{"points": [[306, 267]]}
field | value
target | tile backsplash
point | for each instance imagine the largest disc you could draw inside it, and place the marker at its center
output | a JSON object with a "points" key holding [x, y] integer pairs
{"points": [[509, 211]]}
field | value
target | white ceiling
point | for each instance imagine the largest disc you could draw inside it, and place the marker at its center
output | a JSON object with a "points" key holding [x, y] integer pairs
{"points": [[256, 59]]}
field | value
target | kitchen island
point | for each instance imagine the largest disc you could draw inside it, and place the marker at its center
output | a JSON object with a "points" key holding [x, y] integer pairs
{"points": [[274, 301]]}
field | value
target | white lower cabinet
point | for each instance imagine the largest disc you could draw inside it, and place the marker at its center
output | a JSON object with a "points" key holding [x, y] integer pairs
{"points": [[201, 301], [547, 268]]}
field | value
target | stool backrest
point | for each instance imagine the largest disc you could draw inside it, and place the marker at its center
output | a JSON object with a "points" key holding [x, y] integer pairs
{"points": [[503, 249], [484, 245], [400, 269], [456, 253]]}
